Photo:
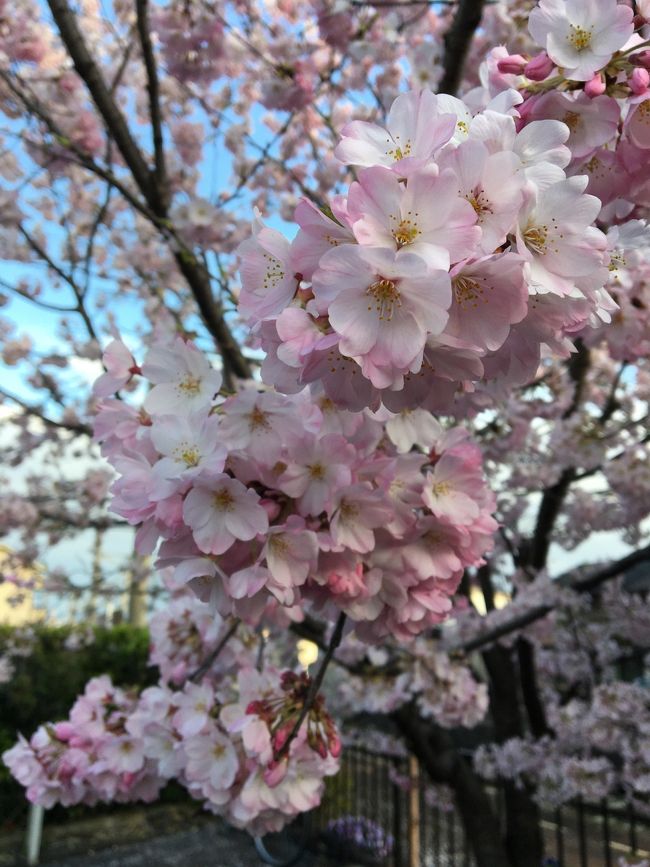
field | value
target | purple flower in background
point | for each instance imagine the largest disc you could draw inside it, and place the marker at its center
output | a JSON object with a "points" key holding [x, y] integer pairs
{"points": [[363, 832]]}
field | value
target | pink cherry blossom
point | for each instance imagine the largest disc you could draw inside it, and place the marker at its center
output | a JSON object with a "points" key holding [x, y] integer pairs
{"points": [[316, 469], [427, 217], [358, 510], [415, 130], [489, 295], [189, 447], [225, 511], [581, 35], [383, 304], [120, 368], [183, 379], [556, 238], [267, 272]]}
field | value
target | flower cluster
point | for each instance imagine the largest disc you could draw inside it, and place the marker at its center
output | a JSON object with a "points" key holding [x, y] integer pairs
{"points": [[186, 632], [446, 690], [217, 740], [90, 757], [387, 677], [580, 760], [261, 498], [463, 246]]}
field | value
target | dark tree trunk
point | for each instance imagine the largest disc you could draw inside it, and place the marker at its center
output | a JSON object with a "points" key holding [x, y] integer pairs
{"points": [[523, 839], [437, 754]]}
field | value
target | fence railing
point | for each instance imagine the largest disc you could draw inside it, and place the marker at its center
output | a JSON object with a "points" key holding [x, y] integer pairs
{"points": [[378, 811], [384, 801]]}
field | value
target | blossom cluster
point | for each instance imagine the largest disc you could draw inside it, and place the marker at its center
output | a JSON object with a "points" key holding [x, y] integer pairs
{"points": [[471, 236], [581, 759], [266, 499], [222, 742], [443, 689], [462, 247], [89, 757]]}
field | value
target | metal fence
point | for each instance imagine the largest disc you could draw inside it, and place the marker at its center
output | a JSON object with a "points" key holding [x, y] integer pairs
{"points": [[383, 801]]}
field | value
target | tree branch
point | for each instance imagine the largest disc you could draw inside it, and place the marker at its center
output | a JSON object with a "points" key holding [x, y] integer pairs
{"points": [[36, 411], [153, 91], [115, 122], [195, 275], [207, 662], [581, 585], [68, 278], [457, 42]]}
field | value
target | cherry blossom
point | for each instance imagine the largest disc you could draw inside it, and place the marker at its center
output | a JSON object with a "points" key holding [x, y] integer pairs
{"points": [[581, 37]]}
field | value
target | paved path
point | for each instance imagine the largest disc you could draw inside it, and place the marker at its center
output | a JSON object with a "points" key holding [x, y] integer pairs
{"points": [[206, 847]]}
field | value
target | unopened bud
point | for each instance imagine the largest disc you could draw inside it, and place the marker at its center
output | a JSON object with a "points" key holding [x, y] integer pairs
{"points": [[335, 745], [596, 86], [254, 708], [513, 64], [281, 736], [63, 730], [539, 68], [641, 58], [639, 81], [271, 507], [275, 772]]}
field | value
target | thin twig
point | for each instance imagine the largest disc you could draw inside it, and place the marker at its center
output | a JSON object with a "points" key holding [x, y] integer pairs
{"points": [[315, 685], [208, 661]]}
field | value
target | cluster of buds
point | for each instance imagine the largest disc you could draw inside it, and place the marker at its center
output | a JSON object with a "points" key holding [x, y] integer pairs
{"points": [[285, 714]]}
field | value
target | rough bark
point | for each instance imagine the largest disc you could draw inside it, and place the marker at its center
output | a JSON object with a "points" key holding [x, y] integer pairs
{"points": [[457, 42], [438, 756], [523, 837]]}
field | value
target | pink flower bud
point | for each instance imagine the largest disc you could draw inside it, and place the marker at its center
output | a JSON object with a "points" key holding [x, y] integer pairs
{"points": [[524, 109], [513, 64], [271, 507], [282, 735], [335, 746], [254, 708], [639, 81], [596, 86], [641, 58], [275, 772], [63, 730], [539, 68], [178, 672]]}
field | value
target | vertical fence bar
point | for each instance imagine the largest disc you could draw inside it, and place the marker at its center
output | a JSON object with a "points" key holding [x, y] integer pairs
{"points": [[397, 819], [632, 828], [414, 812], [582, 833], [451, 836], [606, 839], [436, 833], [559, 837], [357, 775], [34, 833]]}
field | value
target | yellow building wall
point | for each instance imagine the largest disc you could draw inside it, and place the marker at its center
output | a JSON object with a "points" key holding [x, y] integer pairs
{"points": [[17, 603]]}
